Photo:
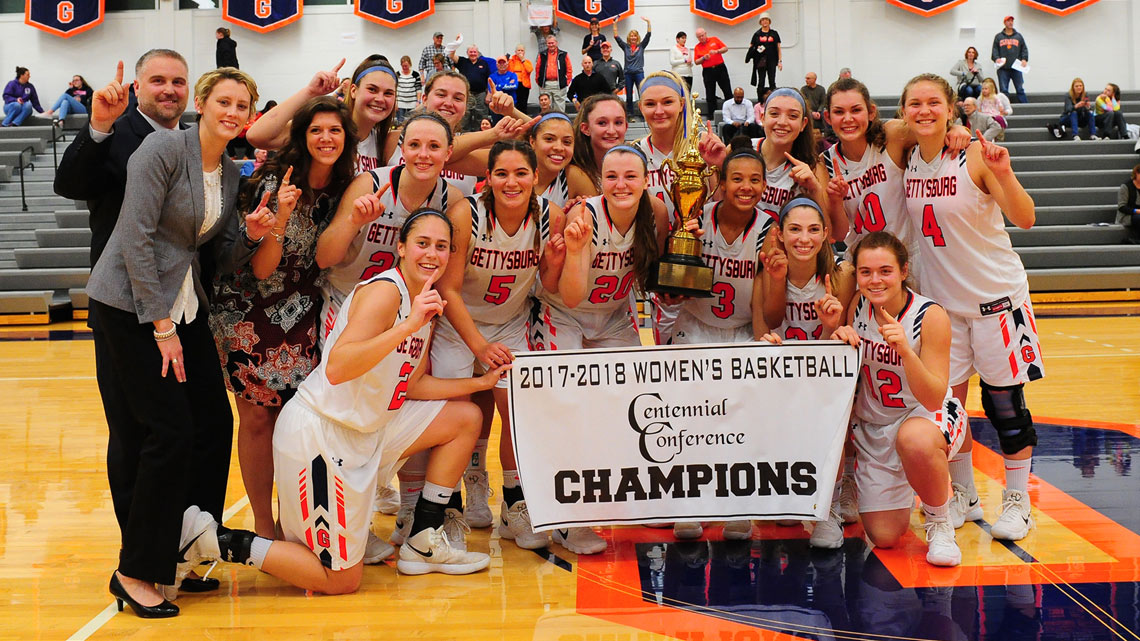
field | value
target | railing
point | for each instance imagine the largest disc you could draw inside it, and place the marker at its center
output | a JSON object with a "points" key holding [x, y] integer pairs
{"points": [[25, 165], [56, 136]]}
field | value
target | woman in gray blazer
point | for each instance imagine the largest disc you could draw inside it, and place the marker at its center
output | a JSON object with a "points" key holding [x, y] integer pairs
{"points": [[147, 293]]}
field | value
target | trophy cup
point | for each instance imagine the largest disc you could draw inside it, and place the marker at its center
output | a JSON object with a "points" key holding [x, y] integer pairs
{"points": [[681, 271]]}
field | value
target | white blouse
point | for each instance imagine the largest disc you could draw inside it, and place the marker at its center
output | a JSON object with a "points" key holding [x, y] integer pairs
{"points": [[185, 308]]}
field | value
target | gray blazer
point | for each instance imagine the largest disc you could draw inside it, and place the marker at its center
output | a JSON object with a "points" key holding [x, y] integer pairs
{"points": [[156, 236]]}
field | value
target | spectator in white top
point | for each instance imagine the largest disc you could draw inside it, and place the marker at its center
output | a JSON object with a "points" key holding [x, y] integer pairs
{"points": [[739, 117], [976, 121], [409, 89], [681, 59]]}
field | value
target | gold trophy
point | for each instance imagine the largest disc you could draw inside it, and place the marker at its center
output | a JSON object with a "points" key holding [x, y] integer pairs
{"points": [[681, 271]]}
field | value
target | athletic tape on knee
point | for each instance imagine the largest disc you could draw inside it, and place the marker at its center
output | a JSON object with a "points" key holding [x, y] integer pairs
{"points": [[1005, 407]]}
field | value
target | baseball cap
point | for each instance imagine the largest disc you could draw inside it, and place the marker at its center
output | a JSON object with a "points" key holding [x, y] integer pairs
{"points": [[437, 34], [502, 59], [606, 45], [1007, 18]]}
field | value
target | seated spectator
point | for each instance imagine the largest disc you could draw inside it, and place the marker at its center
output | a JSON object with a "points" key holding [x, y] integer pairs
{"points": [[976, 121], [1128, 207], [739, 117], [587, 83], [438, 64], [816, 96], [1109, 116], [969, 74], [76, 99], [994, 103], [259, 158], [20, 98], [1077, 111]]}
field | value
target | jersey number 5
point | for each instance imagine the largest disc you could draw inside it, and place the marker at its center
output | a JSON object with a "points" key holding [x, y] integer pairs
{"points": [[499, 289], [400, 394]]}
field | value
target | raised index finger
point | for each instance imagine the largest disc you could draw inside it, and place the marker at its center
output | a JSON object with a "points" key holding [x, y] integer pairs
{"points": [[119, 73], [287, 176], [431, 280], [264, 200], [338, 65], [981, 139], [827, 283], [835, 165], [792, 159], [383, 189]]}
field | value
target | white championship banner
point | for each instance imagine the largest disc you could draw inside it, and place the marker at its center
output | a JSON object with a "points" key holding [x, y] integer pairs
{"points": [[681, 433]]}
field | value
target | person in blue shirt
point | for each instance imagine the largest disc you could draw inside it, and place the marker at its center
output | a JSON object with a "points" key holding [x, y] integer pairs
{"points": [[504, 80], [19, 99]]}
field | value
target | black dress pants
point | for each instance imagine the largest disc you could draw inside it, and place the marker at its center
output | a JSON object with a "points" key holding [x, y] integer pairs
{"points": [[169, 443], [713, 77]]}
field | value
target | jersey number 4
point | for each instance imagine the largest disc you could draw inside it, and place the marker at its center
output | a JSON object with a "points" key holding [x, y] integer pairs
{"points": [[930, 227], [400, 394]]}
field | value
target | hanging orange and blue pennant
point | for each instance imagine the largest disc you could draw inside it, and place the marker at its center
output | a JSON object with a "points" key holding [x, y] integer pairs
{"points": [[926, 7], [262, 16], [63, 18]]}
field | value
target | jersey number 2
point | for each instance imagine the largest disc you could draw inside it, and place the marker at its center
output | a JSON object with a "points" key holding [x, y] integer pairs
{"points": [[381, 261], [889, 385], [400, 394]]}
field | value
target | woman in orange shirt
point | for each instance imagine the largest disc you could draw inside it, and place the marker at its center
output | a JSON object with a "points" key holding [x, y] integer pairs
{"points": [[522, 68]]}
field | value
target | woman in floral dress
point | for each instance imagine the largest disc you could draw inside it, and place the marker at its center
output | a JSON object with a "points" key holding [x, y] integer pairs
{"points": [[264, 317]]}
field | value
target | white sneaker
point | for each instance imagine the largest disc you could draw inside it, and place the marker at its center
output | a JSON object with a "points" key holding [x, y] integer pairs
{"points": [[477, 511], [737, 530], [387, 500], [828, 533], [376, 550], [1016, 517], [403, 524], [515, 525], [964, 507], [686, 531], [430, 551], [848, 500], [580, 540], [456, 528], [198, 542], [941, 548]]}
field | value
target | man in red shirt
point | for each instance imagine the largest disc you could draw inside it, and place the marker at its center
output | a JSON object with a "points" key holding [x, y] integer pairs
{"points": [[553, 72], [708, 53]]}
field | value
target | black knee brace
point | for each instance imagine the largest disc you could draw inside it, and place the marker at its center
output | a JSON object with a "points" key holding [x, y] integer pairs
{"points": [[1005, 407]]}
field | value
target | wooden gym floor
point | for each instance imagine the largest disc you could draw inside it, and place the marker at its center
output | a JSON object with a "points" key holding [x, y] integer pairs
{"points": [[1076, 576]]}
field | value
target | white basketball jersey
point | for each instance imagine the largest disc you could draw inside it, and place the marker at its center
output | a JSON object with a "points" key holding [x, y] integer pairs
{"points": [[501, 269], [884, 395], [801, 322], [876, 198], [660, 177], [968, 262], [464, 183], [367, 403], [368, 153], [734, 268], [373, 251], [611, 277], [779, 187], [558, 192]]}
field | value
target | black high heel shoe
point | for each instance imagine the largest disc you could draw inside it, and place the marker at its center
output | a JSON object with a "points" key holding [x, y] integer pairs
{"points": [[199, 585], [163, 610]]}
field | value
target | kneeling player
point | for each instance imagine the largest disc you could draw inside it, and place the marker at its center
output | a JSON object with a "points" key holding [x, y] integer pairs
{"points": [[907, 424]]}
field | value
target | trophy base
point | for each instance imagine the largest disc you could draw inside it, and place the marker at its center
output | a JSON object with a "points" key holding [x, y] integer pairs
{"points": [[681, 278]]}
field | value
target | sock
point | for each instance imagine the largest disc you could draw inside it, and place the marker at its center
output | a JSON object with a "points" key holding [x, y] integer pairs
{"points": [[257, 551], [479, 457], [962, 471], [848, 466], [510, 478], [412, 476], [1017, 475], [456, 500], [410, 492], [429, 508], [937, 513], [512, 492], [437, 493]]}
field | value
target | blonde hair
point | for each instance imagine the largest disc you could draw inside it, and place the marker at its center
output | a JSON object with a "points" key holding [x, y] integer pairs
{"points": [[683, 116], [207, 81]]}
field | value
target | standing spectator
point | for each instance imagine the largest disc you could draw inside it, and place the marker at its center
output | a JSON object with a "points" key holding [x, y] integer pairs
{"points": [[409, 88], [1009, 47], [1109, 117], [503, 80], [587, 83], [993, 103], [610, 69], [19, 98], [634, 49], [75, 99], [552, 73], [476, 69], [427, 56], [592, 42], [1128, 207], [545, 31], [545, 103], [226, 52], [845, 73], [709, 55], [816, 97], [438, 63], [975, 120], [739, 117], [522, 68], [767, 55], [681, 59], [1077, 111], [969, 74]]}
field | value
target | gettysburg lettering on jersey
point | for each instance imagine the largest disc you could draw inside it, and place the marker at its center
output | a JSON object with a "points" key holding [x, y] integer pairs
{"points": [[870, 178], [777, 196], [380, 233], [880, 352], [366, 163], [800, 312], [937, 187], [612, 261], [516, 259], [731, 267], [413, 346]]}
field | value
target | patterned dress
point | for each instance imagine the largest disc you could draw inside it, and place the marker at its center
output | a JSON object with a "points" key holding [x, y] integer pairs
{"points": [[266, 330]]}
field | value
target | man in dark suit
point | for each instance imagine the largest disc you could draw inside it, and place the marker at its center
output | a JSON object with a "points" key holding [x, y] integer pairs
{"points": [[94, 168]]}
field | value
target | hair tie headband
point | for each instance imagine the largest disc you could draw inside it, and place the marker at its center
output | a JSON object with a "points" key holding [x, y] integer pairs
{"points": [[387, 70], [549, 115], [420, 213], [627, 149], [788, 92], [801, 201], [663, 81]]}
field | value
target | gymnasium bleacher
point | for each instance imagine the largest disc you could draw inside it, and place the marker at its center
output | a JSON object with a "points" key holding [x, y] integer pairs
{"points": [[1074, 247]]}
